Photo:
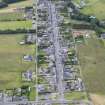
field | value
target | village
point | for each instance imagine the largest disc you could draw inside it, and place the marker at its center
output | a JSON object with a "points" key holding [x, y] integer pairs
{"points": [[54, 52], [57, 71], [48, 76]]}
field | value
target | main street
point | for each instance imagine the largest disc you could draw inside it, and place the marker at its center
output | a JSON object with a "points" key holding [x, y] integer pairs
{"points": [[54, 36], [59, 65]]}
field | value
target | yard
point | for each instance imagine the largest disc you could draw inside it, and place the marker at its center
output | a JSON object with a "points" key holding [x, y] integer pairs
{"points": [[11, 63], [13, 25], [92, 61]]}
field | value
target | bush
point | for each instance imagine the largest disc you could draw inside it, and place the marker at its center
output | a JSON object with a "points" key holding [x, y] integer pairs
{"points": [[3, 4], [16, 31], [11, 1]]}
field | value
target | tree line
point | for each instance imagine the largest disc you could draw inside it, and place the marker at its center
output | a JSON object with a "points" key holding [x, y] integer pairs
{"points": [[95, 23], [4, 3]]}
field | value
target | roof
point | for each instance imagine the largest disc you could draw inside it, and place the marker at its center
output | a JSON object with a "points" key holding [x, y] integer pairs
{"points": [[103, 35]]}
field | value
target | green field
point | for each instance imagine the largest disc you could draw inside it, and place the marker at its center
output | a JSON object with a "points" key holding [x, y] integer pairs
{"points": [[11, 63], [11, 16], [76, 96], [13, 6], [15, 25], [94, 7], [21, 4], [92, 60]]}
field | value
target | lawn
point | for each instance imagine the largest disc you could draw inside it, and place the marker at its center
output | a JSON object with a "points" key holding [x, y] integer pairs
{"points": [[92, 60], [13, 25], [11, 64]]}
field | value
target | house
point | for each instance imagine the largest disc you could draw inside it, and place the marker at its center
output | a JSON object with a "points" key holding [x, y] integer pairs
{"points": [[27, 58], [103, 35], [52, 57], [28, 75], [30, 39], [1, 95], [22, 42], [41, 88]]}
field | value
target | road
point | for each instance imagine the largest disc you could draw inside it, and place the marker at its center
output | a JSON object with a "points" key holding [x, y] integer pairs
{"points": [[58, 61], [74, 102]]}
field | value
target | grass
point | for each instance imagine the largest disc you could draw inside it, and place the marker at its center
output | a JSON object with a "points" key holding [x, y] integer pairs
{"points": [[21, 4], [11, 16], [11, 64], [32, 94], [92, 60], [76, 96], [13, 25], [12, 6], [95, 7]]}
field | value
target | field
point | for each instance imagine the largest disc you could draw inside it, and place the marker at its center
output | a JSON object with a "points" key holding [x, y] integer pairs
{"points": [[15, 25], [76, 96], [13, 6], [94, 7], [11, 63], [11, 16], [92, 60]]}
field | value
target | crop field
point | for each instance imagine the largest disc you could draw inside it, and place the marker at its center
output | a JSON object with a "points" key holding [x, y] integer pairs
{"points": [[92, 60], [11, 63], [15, 25], [11, 16], [94, 7]]}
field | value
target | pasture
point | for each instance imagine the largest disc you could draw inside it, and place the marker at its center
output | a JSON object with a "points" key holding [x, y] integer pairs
{"points": [[11, 16], [94, 7], [11, 64], [11, 7], [92, 61], [13, 25]]}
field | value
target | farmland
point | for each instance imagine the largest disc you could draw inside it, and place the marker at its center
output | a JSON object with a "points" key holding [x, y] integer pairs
{"points": [[17, 64], [15, 25], [11, 64], [13, 6], [11, 16], [76, 96], [92, 60], [94, 7]]}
